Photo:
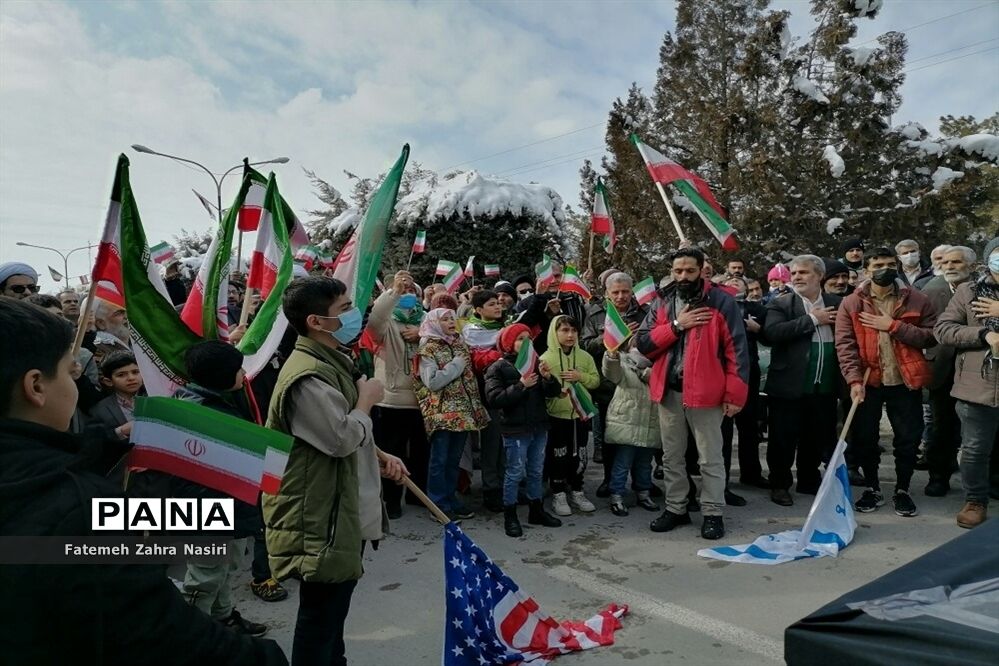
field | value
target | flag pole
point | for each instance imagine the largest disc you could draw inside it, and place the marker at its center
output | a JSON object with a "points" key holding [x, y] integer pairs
{"points": [[81, 327], [589, 261], [672, 215], [853, 409], [410, 262], [239, 252], [244, 315], [420, 495]]}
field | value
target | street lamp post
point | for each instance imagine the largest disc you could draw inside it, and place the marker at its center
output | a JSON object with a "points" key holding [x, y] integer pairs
{"points": [[65, 256], [139, 148]]}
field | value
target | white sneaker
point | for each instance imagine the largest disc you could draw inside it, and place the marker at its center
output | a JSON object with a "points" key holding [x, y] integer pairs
{"points": [[560, 505], [579, 500]]}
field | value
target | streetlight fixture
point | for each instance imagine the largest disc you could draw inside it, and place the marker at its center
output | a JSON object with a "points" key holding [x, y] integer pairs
{"points": [[65, 256]]}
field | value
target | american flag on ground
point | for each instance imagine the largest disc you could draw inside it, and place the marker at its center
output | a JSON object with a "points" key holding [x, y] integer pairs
{"points": [[491, 621]]}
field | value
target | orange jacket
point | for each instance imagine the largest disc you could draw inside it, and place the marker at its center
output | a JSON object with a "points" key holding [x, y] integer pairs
{"points": [[911, 333]]}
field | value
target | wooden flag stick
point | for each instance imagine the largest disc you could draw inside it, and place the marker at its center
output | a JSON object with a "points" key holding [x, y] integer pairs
{"points": [[82, 322], [406, 481], [244, 315], [853, 409], [672, 215], [589, 260], [239, 252], [410, 262]]}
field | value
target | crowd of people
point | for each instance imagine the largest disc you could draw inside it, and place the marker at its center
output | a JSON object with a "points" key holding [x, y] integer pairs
{"points": [[517, 380]]}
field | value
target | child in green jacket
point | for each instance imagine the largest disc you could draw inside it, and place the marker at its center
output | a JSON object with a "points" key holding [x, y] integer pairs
{"points": [[567, 437]]}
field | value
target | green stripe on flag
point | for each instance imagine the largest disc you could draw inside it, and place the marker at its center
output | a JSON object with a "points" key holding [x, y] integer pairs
{"points": [[716, 224], [581, 401], [615, 330]]}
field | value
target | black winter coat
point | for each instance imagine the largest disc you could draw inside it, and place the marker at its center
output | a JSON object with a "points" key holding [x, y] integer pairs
{"points": [[104, 615], [522, 409], [788, 332]]}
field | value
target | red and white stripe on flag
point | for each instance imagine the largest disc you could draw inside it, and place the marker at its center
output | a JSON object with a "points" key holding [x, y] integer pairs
{"points": [[249, 213], [266, 258]]}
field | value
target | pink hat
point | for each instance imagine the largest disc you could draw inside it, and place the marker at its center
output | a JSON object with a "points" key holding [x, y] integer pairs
{"points": [[779, 272]]}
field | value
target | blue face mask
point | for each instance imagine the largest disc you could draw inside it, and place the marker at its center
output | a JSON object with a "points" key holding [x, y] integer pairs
{"points": [[994, 263], [350, 326], [408, 301]]}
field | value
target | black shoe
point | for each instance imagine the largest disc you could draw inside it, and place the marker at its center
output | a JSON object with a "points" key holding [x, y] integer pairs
{"points": [[394, 510], [647, 503], [603, 490], [617, 507], [511, 524], [655, 491], [755, 482], [492, 500], [856, 478], [870, 501], [241, 625], [781, 496], [598, 454], [903, 504], [937, 488], [668, 521], [732, 499], [658, 474], [538, 516], [713, 527]]}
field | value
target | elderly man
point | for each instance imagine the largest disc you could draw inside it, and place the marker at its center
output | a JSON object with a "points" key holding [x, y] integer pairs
{"points": [[911, 267], [941, 451], [884, 327], [111, 323], [18, 280], [618, 291], [837, 278], [69, 302], [936, 264], [802, 382], [971, 325]]}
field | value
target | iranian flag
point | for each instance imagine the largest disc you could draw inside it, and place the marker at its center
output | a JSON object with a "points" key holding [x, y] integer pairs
{"points": [[573, 283], [615, 330], [444, 267], [106, 273], [543, 269], [325, 258], [249, 211], [527, 358], [601, 222], [159, 337], [270, 273], [420, 244], [454, 279], [307, 255], [205, 311], [491, 270], [581, 401], [161, 252], [645, 291], [359, 260], [470, 267], [667, 172], [209, 448]]}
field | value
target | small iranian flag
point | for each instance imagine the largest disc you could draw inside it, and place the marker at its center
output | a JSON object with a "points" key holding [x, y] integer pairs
{"points": [[209, 448], [581, 401], [492, 270], [325, 258], [454, 279], [645, 291], [615, 330], [306, 255], [572, 282], [420, 244], [665, 171], [601, 222], [84, 279], [444, 267], [543, 269], [470, 267], [161, 253], [527, 358]]}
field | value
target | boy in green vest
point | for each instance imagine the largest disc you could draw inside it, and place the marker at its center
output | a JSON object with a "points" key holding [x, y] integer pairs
{"points": [[329, 502]]}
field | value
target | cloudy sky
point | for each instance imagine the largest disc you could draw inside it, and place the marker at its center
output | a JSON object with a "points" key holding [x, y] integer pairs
{"points": [[343, 85]]}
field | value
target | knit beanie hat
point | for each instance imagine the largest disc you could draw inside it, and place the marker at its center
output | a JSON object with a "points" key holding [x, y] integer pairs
{"points": [[509, 335], [852, 244], [779, 272], [504, 287], [834, 267]]}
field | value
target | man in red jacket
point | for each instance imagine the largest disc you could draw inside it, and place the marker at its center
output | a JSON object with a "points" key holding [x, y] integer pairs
{"points": [[695, 336], [884, 326]]}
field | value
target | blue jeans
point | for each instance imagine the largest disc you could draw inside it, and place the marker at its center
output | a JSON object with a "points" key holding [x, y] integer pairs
{"points": [[978, 434], [634, 459], [525, 457], [442, 472]]}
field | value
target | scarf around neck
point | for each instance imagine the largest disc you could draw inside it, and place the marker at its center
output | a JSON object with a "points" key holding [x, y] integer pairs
{"points": [[411, 317]]}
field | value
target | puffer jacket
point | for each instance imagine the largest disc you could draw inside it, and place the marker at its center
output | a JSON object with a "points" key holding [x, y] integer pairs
{"points": [[976, 379], [716, 358], [522, 409], [559, 361], [632, 418], [912, 332]]}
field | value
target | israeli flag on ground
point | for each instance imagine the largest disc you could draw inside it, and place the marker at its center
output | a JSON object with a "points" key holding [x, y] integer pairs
{"points": [[828, 529]]}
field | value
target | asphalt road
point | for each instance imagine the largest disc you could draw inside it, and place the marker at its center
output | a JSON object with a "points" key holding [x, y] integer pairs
{"points": [[683, 609]]}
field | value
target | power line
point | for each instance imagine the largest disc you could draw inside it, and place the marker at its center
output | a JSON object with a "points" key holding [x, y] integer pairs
{"points": [[549, 159], [960, 48], [526, 145], [934, 64], [548, 166], [939, 18]]}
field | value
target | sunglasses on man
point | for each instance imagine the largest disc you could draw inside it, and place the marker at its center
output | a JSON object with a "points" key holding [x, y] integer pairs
{"points": [[21, 288]]}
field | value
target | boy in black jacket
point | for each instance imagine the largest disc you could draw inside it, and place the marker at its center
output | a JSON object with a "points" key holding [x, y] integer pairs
{"points": [[77, 612], [524, 426]]}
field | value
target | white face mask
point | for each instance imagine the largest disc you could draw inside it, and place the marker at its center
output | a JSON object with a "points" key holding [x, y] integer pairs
{"points": [[910, 260]]}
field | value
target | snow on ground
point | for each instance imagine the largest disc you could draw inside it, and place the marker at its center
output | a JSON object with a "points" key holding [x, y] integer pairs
{"points": [[833, 224], [943, 176], [808, 89], [836, 164]]}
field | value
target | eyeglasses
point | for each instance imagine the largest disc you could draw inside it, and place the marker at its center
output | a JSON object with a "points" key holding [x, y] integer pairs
{"points": [[21, 288], [525, 292]]}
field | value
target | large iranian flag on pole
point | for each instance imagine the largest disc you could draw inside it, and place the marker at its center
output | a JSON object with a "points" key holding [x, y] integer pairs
{"points": [[209, 448], [665, 171], [106, 273], [358, 262], [159, 338], [270, 273], [249, 212]]}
